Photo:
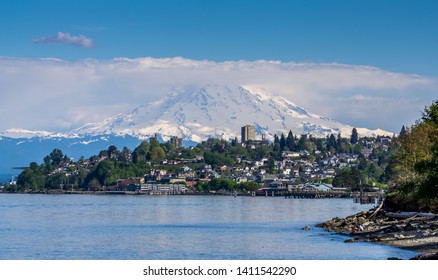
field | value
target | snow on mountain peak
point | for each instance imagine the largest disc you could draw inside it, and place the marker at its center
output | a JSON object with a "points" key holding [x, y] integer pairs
{"points": [[259, 92], [23, 133], [216, 110]]}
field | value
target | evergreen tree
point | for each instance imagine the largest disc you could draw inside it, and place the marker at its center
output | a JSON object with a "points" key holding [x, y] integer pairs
{"points": [[331, 143], [338, 142], [56, 157], [290, 141], [354, 136], [282, 142], [402, 132]]}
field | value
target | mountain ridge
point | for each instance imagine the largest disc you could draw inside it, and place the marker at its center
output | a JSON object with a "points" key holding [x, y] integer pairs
{"points": [[221, 110], [209, 111]]}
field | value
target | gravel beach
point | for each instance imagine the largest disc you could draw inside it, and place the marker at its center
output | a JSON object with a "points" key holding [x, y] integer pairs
{"points": [[406, 230]]}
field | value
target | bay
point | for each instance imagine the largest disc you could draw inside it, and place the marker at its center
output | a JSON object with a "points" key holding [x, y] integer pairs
{"points": [[116, 227]]}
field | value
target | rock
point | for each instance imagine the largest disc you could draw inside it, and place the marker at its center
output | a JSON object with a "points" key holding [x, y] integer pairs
{"points": [[351, 240], [410, 226], [399, 236], [306, 228], [431, 256]]}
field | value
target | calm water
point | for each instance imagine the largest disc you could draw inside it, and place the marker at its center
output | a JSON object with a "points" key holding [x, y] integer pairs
{"points": [[176, 227]]}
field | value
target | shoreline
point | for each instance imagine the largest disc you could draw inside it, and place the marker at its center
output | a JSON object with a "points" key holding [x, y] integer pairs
{"points": [[412, 231]]}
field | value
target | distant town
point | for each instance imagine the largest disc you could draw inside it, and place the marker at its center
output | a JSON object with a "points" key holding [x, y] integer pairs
{"points": [[245, 166]]}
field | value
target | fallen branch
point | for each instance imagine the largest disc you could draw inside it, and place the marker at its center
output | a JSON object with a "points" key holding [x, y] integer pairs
{"points": [[377, 210]]}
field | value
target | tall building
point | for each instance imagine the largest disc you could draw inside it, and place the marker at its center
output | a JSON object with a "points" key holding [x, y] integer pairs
{"points": [[248, 133], [177, 142]]}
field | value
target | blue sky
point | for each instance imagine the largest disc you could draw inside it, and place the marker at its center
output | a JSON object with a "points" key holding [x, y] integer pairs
{"points": [[398, 37], [394, 35]]}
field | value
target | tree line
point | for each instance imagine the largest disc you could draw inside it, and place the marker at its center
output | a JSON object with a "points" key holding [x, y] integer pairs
{"points": [[413, 169], [102, 170]]}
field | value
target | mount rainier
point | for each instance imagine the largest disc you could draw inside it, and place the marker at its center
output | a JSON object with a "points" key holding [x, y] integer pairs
{"points": [[219, 110], [195, 115]]}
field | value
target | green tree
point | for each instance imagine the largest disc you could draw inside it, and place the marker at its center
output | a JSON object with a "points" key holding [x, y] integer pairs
{"points": [[331, 144], [354, 136], [222, 184], [217, 159], [140, 152], [290, 141], [249, 186], [412, 169], [56, 157], [32, 178], [154, 143], [104, 173], [351, 179], [282, 142], [56, 181], [403, 132], [430, 113], [112, 152], [157, 154]]}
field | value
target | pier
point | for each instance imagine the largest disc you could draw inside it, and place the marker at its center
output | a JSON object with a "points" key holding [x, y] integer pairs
{"points": [[358, 197], [318, 194]]}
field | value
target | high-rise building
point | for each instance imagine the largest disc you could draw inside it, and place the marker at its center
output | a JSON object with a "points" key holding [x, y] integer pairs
{"points": [[177, 142], [248, 133]]}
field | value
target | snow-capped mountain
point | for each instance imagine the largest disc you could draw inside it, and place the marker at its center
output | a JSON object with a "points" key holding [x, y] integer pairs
{"points": [[23, 133], [220, 110], [195, 115]]}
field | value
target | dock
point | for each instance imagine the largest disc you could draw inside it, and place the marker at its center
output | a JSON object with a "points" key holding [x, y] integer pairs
{"points": [[358, 197]]}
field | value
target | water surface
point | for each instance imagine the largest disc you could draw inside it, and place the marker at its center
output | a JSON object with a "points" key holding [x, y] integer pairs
{"points": [[176, 227]]}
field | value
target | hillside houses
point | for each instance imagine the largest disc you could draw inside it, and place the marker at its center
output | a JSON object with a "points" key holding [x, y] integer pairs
{"points": [[287, 173], [269, 165]]}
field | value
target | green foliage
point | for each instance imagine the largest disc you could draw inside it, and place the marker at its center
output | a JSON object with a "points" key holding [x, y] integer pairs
{"points": [[157, 154], [139, 154], [354, 136], [217, 159], [352, 179], [32, 179], [227, 185], [56, 157], [102, 171], [56, 181], [430, 114], [412, 171], [154, 143], [290, 141], [283, 143], [249, 186]]}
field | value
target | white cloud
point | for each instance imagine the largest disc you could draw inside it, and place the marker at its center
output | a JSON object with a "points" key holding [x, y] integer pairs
{"points": [[52, 94], [62, 38]]}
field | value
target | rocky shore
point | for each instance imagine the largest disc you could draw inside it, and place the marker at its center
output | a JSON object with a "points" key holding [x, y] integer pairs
{"points": [[407, 230]]}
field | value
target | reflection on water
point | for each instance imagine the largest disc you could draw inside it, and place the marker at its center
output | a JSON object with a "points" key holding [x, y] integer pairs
{"points": [[176, 227]]}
